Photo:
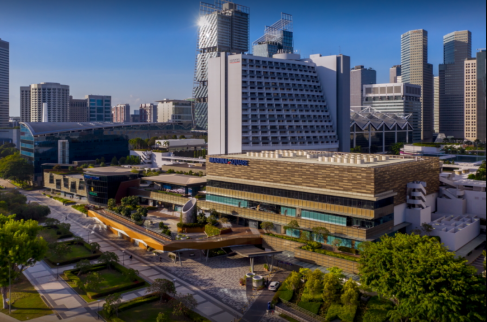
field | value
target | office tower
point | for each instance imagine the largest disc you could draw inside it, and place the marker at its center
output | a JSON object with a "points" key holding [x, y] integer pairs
{"points": [[4, 83], [33, 98], [135, 117], [416, 70], [394, 73], [174, 111], [148, 113], [78, 110], [475, 85], [399, 99], [260, 103], [359, 76], [436, 113], [121, 113], [457, 46], [277, 38], [100, 108], [223, 27]]}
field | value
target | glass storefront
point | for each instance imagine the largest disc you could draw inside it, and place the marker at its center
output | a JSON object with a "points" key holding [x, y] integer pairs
{"points": [[100, 188]]}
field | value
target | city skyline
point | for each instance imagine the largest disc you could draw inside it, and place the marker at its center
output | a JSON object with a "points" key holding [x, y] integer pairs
{"points": [[126, 54]]}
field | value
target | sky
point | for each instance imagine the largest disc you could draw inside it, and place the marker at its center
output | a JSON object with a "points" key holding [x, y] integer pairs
{"points": [[141, 51]]}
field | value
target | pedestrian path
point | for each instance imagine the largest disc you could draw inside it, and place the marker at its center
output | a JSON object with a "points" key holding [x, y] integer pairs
{"points": [[89, 228]]}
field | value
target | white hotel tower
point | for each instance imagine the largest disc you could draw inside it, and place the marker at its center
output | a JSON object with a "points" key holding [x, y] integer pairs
{"points": [[285, 102]]}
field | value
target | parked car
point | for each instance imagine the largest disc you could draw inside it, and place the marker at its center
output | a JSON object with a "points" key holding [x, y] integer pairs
{"points": [[274, 286]]}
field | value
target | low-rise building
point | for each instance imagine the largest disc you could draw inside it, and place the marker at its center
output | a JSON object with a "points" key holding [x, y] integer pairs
{"points": [[69, 185], [174, 111]]}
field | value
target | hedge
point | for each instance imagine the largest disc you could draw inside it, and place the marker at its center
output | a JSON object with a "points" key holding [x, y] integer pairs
{"points": [[348, 250], [373, 315], [286, 295], [346, 313], [333, 254], [147, 299], [313, 307], [75, 259], [333, 312], [80, 208], [68, 235], [194, 225], [71, 274], [298, 240]]}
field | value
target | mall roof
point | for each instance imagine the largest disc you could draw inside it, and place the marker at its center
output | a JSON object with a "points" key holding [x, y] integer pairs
{"points": [[42, 128], [107, 171], [177, 179]]}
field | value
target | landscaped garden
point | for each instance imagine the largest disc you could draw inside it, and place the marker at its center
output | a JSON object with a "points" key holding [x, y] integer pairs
{"points": [[61, 200], [27, 303], [161, 304], [129, 209], [54, 230], [94, 281], [81, 208]]}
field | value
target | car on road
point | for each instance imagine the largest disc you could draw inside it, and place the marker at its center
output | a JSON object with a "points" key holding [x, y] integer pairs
{"points": [[273, 286]]}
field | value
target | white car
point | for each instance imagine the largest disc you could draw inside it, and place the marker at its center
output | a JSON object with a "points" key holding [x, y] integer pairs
{"points": [[273, 286]]}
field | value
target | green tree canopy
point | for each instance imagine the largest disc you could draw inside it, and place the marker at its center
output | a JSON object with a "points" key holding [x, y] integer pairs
{"points": [[19, 247], [112, 303], [114, 161], [108, 258], [423, 279], [162, 286], [16, 168]]}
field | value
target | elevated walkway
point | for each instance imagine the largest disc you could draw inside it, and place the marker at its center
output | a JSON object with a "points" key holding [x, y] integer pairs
{"points": [[147, 238]]}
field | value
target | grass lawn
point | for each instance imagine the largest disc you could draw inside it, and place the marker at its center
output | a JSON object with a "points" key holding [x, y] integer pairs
{"points": [[75, 251], [111, 278], [149, 312], [27, 303]]}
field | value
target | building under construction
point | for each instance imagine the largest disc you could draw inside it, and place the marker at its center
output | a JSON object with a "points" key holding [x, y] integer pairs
{"points": [[277, 38], [223, 28]]}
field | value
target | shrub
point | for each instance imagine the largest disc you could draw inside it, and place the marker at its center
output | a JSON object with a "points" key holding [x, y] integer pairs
{"points": [[348, 250], [74, 259], [333, 254], [286, 295], [80, 208], [194, 225], [313, 307], [373, 315], [314, 244], [347, 313], [210, 230], [333, 312]]}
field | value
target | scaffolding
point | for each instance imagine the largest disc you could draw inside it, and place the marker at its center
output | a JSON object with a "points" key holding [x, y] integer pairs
{"points": [[274, 34]]}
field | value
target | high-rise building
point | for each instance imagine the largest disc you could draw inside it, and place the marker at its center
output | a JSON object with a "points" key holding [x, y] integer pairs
{"points": [[457, 46], [401, 99], [223, 27], [360, 76], [148, 113], [53, 96], [4, 82], [121, 113], [78, 110], [475, 90], [277, 38], [436, 113], [394, 73], [416, 70], [174, 111], [100, 108], [259, 103]]}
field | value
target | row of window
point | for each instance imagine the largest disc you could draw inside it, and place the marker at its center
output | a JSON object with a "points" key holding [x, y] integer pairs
{"points": [[334, 200]]}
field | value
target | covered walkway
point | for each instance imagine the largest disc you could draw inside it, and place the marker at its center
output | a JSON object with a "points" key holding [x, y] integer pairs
{"points": [[252, 252]]}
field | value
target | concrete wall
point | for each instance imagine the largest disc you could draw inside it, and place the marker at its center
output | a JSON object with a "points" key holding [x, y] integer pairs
{"points": [[216, 106], [400, 210], [457, 240], [476, 203], [452, 206]]}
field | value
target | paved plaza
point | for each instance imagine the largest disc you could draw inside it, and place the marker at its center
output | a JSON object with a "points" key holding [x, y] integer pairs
{"points": [[214, 283]]}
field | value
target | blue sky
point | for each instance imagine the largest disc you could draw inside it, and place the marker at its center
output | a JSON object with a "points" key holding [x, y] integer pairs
{"points": [[143, 51]]}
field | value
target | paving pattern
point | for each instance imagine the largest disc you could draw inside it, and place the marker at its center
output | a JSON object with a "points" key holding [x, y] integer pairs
{"points": [[214, 283]]}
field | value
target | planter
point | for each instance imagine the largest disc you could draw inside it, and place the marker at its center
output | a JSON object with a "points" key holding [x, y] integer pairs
{"points": [[257, 281], [191, 230]]}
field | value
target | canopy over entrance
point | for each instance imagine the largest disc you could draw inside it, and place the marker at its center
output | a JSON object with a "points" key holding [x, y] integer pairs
{"points": [[253, 252]]}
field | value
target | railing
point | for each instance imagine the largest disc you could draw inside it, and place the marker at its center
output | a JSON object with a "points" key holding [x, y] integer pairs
{"points": [[301, 310]]}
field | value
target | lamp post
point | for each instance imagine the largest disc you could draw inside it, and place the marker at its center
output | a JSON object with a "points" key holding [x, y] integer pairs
{"points": [[92, 232], [123, 256], [98, 312], [57, 271], [10, 292]]}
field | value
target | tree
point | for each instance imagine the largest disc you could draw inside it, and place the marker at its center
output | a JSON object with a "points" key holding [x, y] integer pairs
{"points": [[426, 229], [142, 211], [351, 293], [97, 161], [78, 240], [95, 247], [131, 274], [51, 222], [112, 203], [332, 286], [16, 168], [223, 220], [108, 258], [19, 247], [321, 232], [422, 278], [293, 224], [126, 212], [396, 148], [112, 304], [162, 317], [266, 225], [336, 243], [136, 216], [201, 218], [314, 283], [162, 286], [83, 266], [123, 160], [102, 164], [293, 281], [60, 250], [114, 161], [102, 160], [182, 305], [64, 228]]}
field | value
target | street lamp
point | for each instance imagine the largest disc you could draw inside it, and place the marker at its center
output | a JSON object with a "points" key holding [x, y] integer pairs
{"points": [[10, 292], [92, 232], [98, 312], [57, 271], [123, 252]]}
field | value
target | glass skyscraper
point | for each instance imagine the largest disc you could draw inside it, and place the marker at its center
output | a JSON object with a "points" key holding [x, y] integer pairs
{"points": [[277, 38], [99, 108], [416, 70], [223, 27], [457, 46], [4, 83]]}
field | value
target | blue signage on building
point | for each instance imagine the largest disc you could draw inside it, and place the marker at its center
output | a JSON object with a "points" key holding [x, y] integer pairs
{"points": [[91, 177], [229, 161]]}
